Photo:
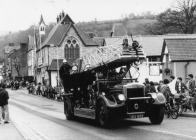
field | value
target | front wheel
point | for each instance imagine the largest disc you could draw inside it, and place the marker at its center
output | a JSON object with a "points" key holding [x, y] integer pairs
{"points": [[156, 114]]}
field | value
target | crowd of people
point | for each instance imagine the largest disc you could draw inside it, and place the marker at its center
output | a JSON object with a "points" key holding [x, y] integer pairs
{"points": [[37, 89], [46, 91], [175, 88]]}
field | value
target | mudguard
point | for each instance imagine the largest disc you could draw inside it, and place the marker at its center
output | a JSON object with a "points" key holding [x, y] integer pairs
{"points": [[158, 98], [109, 103]]}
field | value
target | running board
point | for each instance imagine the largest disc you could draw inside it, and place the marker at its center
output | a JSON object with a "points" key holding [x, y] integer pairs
{"points": [[85, 113]]}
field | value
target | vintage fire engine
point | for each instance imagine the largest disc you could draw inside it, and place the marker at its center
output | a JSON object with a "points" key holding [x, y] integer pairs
{"points": [[102, 87]]}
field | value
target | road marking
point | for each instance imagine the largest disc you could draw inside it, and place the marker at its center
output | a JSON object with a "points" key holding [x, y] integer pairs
{"points": [[168, 133]]}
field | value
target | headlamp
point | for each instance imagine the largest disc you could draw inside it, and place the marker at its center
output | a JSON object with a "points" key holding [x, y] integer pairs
{"points": [[121, 97]]}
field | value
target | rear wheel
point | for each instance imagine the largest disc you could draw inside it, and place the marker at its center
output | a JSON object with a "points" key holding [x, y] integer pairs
{"points": [[103, 117], [156, 115], [68, 110]]}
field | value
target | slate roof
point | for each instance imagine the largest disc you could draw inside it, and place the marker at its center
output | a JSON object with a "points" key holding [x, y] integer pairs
{"points": [[53, 66], [99, 40], [152, 44], [56, 34], [181, 49]]}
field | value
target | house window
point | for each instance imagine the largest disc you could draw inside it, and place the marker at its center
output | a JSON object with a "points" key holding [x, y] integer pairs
{"points": [[71, 49]]}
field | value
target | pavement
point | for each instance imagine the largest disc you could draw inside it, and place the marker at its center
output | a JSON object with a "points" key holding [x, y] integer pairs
{"points": [[9, 132]]}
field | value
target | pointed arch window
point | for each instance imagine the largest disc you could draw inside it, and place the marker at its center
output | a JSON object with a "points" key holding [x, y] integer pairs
{"points": [[72, 50]]}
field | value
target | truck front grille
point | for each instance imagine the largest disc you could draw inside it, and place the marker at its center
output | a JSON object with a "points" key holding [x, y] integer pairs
{"points": [[135, 92]]}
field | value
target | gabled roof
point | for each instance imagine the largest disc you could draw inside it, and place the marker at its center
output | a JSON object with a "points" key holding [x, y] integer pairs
{"points": [[84, 37], [56, 34], [180, 49], [59, 31]]}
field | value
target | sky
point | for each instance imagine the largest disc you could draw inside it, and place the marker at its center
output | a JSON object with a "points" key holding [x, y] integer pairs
{"points": [[18, 15]]}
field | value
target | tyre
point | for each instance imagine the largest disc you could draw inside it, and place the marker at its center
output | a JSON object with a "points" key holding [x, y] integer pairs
{"points": [[103, 117], [68, 110], [156, 114]]}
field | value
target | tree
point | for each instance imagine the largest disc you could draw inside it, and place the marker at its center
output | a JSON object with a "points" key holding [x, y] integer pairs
{"points": [[181, 19]]}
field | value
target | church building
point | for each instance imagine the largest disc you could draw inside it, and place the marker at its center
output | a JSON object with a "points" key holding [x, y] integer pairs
{"points": [[64, 41]]}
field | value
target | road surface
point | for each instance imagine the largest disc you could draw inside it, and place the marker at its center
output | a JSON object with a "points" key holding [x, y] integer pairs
{"points": [[38, 118]]}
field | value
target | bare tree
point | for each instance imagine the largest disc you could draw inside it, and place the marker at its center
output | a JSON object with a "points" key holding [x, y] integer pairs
{"points": [[180, 19], [186, 15]]}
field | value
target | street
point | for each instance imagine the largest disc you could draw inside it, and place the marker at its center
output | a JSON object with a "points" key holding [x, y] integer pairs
{"points": [[38, 118]]}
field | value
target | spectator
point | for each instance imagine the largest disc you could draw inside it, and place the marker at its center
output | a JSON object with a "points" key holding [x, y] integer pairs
{"points": [[166, 91], [190, 85], [159, 86], [172, 83], [180, 86], [152, 87], [147, 85], [4, 112]]}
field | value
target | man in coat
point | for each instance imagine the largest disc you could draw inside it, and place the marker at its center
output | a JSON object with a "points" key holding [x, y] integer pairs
{"points": [[4, 113], [180, 86], [64, 73], [191, 85]]}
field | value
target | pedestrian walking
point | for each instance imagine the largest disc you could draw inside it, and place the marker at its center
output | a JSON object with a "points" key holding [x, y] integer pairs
{"points": [[4, 112]]}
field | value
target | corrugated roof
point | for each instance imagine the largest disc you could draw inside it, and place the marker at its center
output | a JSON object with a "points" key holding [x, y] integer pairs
{"points": [[181, 49]]}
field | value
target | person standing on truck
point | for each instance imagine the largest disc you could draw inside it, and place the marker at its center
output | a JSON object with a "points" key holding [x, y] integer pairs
{"points": [[64, 73]]}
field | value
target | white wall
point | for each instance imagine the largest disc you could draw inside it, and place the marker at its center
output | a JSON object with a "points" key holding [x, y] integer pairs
{"points": [[145, 73], [180, 69], [53, 79]]}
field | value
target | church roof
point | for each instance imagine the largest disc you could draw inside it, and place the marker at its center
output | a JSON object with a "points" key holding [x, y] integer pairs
{"points": [[59, 31]]}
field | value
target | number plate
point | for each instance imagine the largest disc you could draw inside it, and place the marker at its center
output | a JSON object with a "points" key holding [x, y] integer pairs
{"points": [[134, 116]]}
